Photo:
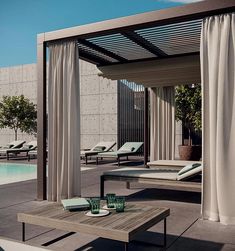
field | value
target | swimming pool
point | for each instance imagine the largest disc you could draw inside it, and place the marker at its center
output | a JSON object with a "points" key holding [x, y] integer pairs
{"points": [[11, 172]]}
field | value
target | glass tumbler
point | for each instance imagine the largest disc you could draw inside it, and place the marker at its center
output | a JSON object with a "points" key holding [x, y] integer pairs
{"points": [[95, 205], [111, 199], [120, 204]]}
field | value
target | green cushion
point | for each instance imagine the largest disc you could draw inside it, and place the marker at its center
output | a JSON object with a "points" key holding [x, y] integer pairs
{"points": [[8, 146], [188, 168], [189, 171], [27, 147], [127, 149], [99, 149]]}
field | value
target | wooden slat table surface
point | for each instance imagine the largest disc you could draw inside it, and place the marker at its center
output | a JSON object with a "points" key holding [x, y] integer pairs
{"points": [[116, 226]]}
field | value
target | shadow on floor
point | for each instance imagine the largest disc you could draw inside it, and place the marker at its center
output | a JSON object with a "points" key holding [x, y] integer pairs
{"points": [[123, 163], [175, 243], [164, 194]]}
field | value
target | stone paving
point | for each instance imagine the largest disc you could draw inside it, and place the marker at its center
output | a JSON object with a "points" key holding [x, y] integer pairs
{"points": [[186, 231]]}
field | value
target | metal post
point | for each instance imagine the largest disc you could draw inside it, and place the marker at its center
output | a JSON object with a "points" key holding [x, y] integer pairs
{"points": [[146, 112], [164, 244], [23, 231], [41, 118], [126, 246], [101, 186]]}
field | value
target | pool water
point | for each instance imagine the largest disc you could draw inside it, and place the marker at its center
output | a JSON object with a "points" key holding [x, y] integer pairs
{"points": [[11, 172]]}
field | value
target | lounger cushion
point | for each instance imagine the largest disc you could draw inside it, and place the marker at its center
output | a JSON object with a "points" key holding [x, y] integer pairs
{"points": [[126, 149], [99, 148], [27, 147], [189, 171], [188, 168], [7, 146]]}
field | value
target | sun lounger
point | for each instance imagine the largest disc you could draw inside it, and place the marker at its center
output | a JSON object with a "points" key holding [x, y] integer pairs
{"points": [[188, 178], [129, 148], [99, 148], [32, 154], [13, 245], [13, 145], [24, 149]]}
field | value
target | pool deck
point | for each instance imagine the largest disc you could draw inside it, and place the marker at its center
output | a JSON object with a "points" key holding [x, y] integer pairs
{"points": [[186, 231]]}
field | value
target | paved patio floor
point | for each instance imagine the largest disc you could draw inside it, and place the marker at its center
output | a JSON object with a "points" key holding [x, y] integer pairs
{"points": [[186, 231]]}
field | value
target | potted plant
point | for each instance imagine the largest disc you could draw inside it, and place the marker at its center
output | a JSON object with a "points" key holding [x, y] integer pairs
{"points": [[188, 110]]}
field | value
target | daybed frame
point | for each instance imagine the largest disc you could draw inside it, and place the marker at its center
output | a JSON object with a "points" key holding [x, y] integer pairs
{"points": [[190, 186]]}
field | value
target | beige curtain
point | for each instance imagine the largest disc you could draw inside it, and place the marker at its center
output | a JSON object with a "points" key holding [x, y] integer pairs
{"points": [[162, 123], [64, 122], [218, 81]]}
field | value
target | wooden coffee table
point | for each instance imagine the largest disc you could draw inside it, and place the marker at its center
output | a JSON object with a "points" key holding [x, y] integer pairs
{"points": [[116, 226]]}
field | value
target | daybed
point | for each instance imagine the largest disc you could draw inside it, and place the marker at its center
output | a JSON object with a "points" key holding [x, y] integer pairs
{"points": [[188, 178]]}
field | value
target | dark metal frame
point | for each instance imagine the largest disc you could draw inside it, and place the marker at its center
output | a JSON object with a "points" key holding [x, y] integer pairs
{"points": [[125, 25], [192, 186]]}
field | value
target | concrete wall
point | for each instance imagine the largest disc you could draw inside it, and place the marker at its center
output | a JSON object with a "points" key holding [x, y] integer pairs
{"points": [[98, 101], [18, 80], [98, 107]]}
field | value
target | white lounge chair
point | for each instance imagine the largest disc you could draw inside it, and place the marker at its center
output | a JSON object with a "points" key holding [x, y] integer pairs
{"points": [[101, 147], [13, 145], [32, 145], [129, 148]]}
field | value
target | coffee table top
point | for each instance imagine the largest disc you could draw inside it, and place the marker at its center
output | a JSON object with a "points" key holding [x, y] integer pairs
{"points": [[116, 226]]}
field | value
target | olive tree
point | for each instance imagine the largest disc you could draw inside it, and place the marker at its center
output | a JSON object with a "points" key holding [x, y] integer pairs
{"points": [[188, 102], [19, 114]]}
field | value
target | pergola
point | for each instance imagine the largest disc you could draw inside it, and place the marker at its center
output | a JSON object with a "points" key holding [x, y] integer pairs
{"points": [[153, 43]]}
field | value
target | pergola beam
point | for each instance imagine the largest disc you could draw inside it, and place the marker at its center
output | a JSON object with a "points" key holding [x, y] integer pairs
{"points": [[102, 50], [133, 36], [92, 58], [41, 120], [146, 20]]}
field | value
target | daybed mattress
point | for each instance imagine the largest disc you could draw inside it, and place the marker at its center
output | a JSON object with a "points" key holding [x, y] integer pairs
{"points": [[144, 173]]}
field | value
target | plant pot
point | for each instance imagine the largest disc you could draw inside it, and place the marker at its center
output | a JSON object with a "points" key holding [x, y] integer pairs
{"points": [[190, 152]]}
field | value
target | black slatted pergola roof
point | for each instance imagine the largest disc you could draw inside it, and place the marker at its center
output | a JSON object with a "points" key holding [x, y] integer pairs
{"points": [[143, 44], [152, 35]]}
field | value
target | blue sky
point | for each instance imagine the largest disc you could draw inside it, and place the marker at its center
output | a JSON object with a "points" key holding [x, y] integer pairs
{"points": [[22, 20]]}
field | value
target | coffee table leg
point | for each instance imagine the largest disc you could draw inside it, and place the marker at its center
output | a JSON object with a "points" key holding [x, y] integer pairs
{"points": [[164, 244], [23, 231], [126, 246]]}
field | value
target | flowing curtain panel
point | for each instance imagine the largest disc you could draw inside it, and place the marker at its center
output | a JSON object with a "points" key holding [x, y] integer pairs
{"points": [[162, 123], [218, 81], [64, 122]]}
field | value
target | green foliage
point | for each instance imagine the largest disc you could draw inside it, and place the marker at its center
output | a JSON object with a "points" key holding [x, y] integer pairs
{"points": [[189, 107], [18, 113]]}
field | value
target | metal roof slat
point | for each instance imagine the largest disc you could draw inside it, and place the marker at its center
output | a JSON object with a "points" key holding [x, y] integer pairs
{"points": [[102, 50], [144, 43]]}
